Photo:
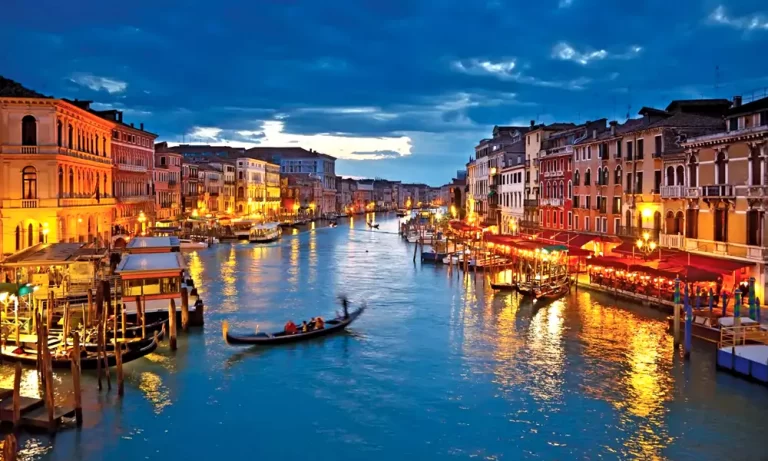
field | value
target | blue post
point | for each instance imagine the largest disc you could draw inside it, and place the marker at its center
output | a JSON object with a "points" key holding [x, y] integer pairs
{"points": [[676, 317], [688, 324], [711, 300], [752, 298], [737, 304]]}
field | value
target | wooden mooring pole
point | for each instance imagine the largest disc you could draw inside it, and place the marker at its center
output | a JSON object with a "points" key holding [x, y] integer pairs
{"points": [[10, 448], [48, 388], [119, 354], [75, 366], [17, 395], [172, 323], [184, 309]]}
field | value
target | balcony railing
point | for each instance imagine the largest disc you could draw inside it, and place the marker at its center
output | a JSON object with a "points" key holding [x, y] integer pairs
{"points": [[673, 191], [637, 232], [692, 192], [560, 150], [672, 241], [532, 203], [55, 150], [29, 203], [86, 201], [133, 168], [757, 191], [736, 250], [551, 202], [57, 202], [135, 199], [720, 190], [553, 174]]}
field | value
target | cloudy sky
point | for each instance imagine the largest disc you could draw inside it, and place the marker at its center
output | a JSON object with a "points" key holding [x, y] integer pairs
{"points": [[401, 89]]}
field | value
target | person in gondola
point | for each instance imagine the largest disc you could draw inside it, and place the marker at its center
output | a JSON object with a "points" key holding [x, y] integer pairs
{"points": [[312, 323], [290, 327], [345, 306], [319, 323], [304, 326]]}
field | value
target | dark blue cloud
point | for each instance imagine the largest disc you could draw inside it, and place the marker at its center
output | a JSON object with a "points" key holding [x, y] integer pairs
{"points": [[442, 73]]}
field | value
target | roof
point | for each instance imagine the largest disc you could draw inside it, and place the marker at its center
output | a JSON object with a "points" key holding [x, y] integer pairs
{"points": [[150, 262], [277, 152], [700, 106], [152, 242], [11, 88], [754, 106], [52, 254]]}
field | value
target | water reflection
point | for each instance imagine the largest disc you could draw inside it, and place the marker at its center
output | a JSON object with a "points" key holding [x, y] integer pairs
{"points": [[155, 392]]}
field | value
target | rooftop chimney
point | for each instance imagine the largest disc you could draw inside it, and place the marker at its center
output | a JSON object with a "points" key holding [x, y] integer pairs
{"points": [[533, 122], [120, 116], [131, 124], [736, 101], [141, 126], [594, 133], [613, 128]]}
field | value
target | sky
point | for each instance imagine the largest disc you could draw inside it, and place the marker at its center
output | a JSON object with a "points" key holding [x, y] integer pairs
{"points": [[398, 89]]}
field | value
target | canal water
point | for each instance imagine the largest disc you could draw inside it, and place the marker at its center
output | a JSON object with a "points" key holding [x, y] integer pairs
{"points": [[438, 368]]}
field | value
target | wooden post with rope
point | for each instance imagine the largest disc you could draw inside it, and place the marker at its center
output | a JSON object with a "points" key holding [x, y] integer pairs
{"points": [[172, 323], [75, 366]]}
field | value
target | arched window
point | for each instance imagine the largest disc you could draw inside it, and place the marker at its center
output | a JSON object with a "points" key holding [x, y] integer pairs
{"points": [[587, 177], [680, 175], [560, 195], [96, 185], [70, 138], [97, 144], [61, 183], [576, 178], [570, 189], [40, 234], [720, 167], [628, 219], [606, 177], [105, 186], [670, 176], [28, 131], [18, 238], [693, 172], [670, 223], [59, 129], [30, 235], [29, 183], [678, 222], [617, 175], [104, 145], [71, 190], [657, 221]]}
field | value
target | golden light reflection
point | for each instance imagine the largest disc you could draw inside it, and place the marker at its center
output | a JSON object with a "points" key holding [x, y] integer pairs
{"points": [[195, 266], [546, 355], [154, 390], [228, 273]]}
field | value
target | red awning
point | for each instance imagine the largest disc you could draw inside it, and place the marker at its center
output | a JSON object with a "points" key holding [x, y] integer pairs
{"points": [[578, 240], [712, 263], [607, 261], [629, 248], [574, 251]]}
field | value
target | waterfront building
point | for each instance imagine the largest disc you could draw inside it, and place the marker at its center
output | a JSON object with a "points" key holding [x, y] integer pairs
{"points": [[346, 188], [597, 194], [190, 187], [272, 198], [718, 194], [226, 199], [212, 182], [557, 177], [296, 160], [55, 170], [251, 185], [167, 176], [363, 196], [133, 156], [535, 138], [302, 194], [512, 193], [656, 136]]}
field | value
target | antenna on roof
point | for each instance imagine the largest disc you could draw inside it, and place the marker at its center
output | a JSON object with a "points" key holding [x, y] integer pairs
{"points": [[717, 78]]}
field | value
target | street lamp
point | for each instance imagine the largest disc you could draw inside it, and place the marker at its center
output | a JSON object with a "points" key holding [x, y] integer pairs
{"points": [[645, 244], [45, 232]]}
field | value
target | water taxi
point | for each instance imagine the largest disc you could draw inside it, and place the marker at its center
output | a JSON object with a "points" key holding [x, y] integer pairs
{"points": [[189, 244], [263, 233]]}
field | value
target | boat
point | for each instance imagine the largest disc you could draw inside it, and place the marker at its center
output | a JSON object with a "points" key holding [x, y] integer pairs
{"points": [[188, 244], [281, 337], [333, 224], [134, 351], [706, 325], [401, 213], [433, 256], [134, 331], [550, 292], [372, 226], [425, 238], [504, 286], [264, 233]]}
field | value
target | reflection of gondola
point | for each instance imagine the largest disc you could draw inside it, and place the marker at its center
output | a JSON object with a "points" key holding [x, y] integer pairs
{"points": [[135, 350], [504, 286], [281, 337]]}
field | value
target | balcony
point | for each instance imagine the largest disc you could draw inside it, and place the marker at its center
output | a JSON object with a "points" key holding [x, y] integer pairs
{"points": [[718, 191], [553, 174], [54, 150], [735, 250], [757, 191], [136, 199], [672, 192], [560, 150], [637, 232], [676, 241], [86, 201], [551, 202], [132, 168], [172, 183], [531, 203], [57, 202], [602, 209]]}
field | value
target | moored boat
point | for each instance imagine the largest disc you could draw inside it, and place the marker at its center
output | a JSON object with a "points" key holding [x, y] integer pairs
{"points": [[281, 337], [504, 286], [706, 325], [88, 361], [264, 233], [189, 244]]}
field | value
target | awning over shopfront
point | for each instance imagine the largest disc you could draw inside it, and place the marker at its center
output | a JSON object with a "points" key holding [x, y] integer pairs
{"points": [[715, 264]]}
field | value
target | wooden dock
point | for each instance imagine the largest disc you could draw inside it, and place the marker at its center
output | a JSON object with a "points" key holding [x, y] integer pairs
{"points": [[32, 411]]}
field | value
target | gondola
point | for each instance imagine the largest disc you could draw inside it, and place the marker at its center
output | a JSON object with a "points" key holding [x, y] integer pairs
{"points": [[550, 293], [134, 331], [504, 286], [135, 350], [373, 226], [280, 337], [333, 224]]}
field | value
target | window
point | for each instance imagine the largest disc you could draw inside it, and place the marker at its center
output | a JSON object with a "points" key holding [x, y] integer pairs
{"points": [[29, 183], [670, 176], [575, 201], [618, 149], [680, 175], [721, 225], [617, 175], [570, 189], [59, 134], [589, 152], [561, 218], [657, 145], [764, 118], [587, 202], [721, 176], [597, 224], [639, 183], [628, 186], [586, 223], [629, 150], [162, 161], [755, 165], [70, 140], [640, 148], [754, 231], [733, 124], [616, 225], [657, 181], [587, 178], [576, 178], [616, 205], [693, 170], [30, 235], [28, 131]]}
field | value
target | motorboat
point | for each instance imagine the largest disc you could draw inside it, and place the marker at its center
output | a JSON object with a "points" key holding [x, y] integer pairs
{"points": [[264, 233], [189, 244]]}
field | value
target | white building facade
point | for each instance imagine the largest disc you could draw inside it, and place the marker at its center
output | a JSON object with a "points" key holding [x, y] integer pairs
{"points": [[512, 198]]}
